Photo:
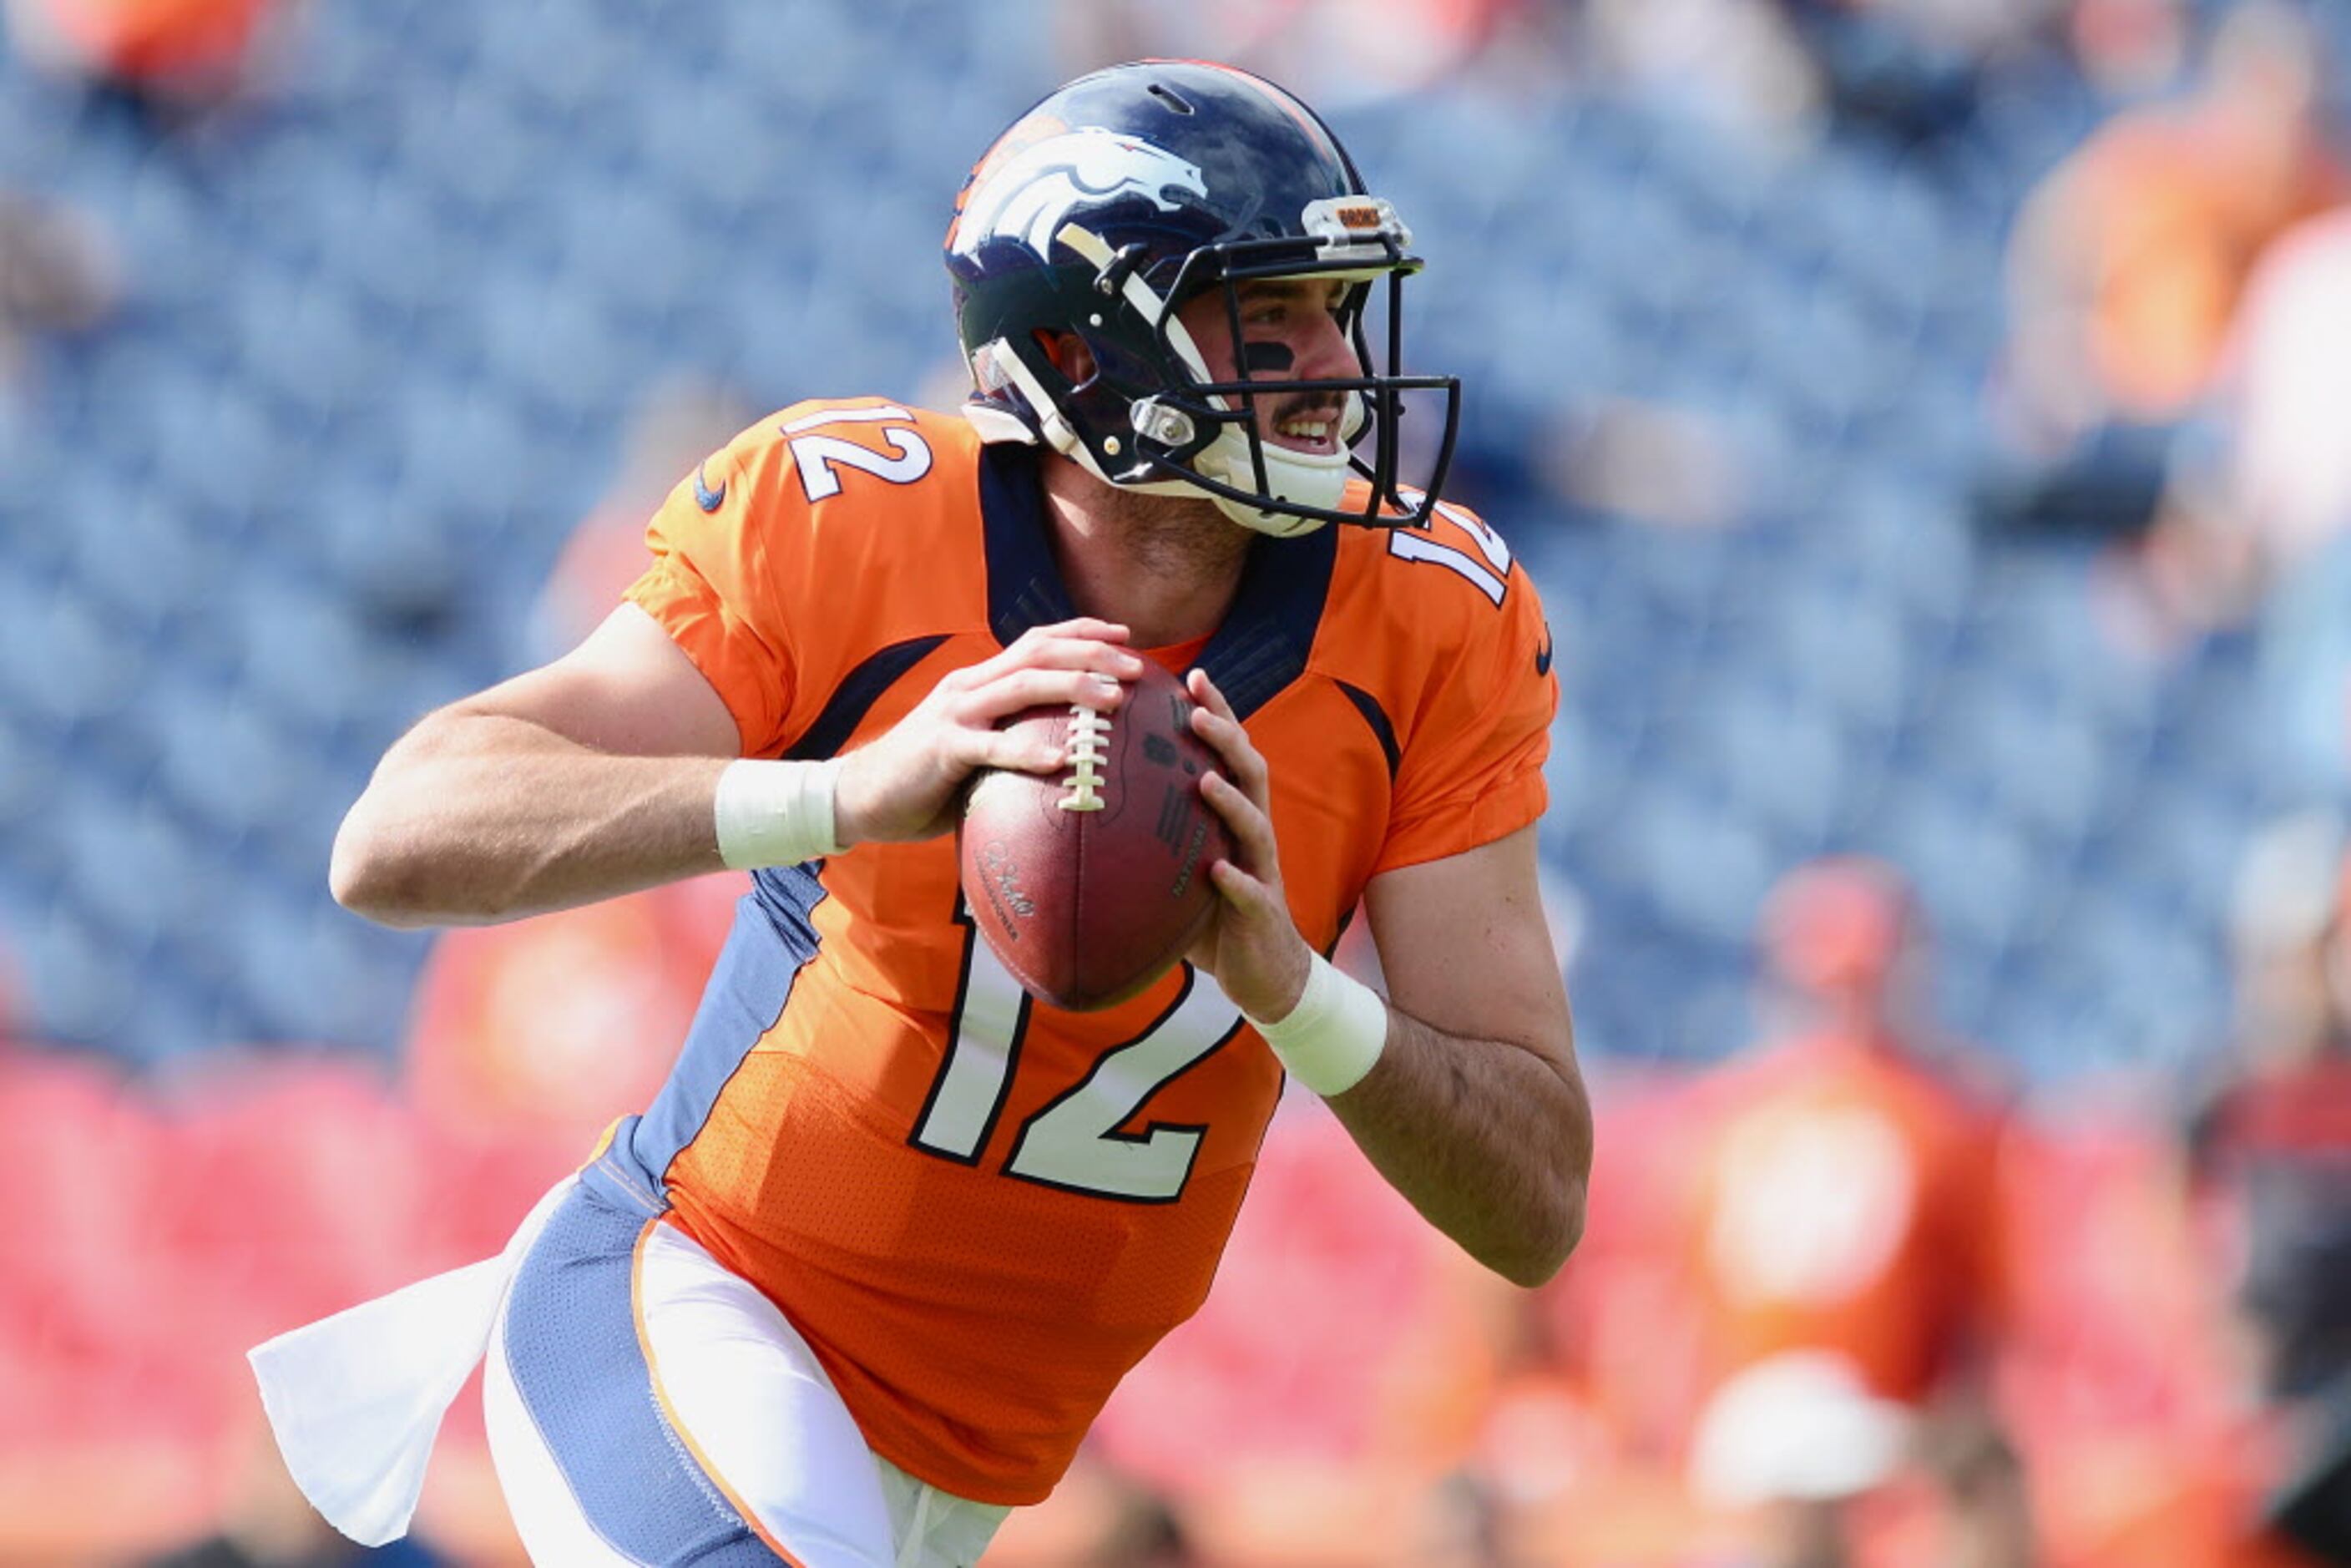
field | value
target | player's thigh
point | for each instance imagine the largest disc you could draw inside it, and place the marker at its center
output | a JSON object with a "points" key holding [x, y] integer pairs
{"points": [[648, 1407]]}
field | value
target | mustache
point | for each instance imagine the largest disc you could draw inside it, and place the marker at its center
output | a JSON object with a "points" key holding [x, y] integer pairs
{"points": [[1331, 406]]}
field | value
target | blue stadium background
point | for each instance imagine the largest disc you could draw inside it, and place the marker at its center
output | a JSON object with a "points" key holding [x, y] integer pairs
{"points": [[384, 329]]}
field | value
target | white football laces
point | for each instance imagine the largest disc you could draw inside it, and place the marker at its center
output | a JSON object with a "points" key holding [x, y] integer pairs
{"points": [[1088, 759]]}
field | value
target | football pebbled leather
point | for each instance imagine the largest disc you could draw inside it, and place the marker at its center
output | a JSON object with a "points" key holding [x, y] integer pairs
{"points": [[1089, 883]]}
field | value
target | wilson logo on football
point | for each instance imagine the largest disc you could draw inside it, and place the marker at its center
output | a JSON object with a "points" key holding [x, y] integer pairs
{"points": [[997, 862], [1031, 194]]}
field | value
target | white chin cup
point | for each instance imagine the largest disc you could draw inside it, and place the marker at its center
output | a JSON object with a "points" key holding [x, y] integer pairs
{"points": [[1301, 478]]}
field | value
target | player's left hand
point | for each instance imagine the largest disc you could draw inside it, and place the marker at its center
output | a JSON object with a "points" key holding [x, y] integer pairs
{"points": [[1253, 947]]}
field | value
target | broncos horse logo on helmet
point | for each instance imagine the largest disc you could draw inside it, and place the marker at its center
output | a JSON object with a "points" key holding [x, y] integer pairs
{"points": [[1119, 199], [1029, 194]]}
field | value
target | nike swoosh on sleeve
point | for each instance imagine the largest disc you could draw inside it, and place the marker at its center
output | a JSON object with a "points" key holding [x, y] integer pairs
{"points": [[1542, 654], [704, 497]]}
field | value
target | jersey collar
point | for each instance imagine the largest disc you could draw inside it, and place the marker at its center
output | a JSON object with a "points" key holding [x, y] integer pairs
{"points": [[1265, 640]]}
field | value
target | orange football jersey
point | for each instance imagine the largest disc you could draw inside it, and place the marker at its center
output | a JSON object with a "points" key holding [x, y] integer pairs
{"points": [[1847, 1202], [981, 1211]]}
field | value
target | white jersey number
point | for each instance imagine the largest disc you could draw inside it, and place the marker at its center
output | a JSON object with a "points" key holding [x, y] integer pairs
{"points": [[1489, 570], [1073, 1142], [815, 455]]}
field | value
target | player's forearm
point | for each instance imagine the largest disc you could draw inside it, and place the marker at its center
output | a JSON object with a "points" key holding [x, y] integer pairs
{"points": [[1492, 1143], [476, 817]]}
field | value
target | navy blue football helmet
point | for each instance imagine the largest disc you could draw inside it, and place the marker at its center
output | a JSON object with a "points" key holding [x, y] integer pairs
{"points": [[1120, 198]]}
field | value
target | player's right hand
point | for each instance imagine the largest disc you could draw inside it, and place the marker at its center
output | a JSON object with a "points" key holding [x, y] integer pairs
{"points": [[904, 785]]}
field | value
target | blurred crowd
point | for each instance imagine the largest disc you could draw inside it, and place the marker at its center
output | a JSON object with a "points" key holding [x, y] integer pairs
{"points": [[1855, 1292], [1850, 1297]]}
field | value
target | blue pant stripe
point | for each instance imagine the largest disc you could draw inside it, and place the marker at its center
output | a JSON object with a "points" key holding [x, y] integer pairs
{"points": [[572, 1341]]}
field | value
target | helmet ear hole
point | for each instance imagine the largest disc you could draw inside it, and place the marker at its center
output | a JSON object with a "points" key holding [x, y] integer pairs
{"points": [[1068, 353]]}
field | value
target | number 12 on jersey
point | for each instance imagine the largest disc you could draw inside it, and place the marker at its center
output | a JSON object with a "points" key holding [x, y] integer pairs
{"points": [[1073, 1142], [819, 459]]}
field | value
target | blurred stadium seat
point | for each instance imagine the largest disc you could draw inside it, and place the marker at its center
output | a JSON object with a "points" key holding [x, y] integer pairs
{"points": [[329, 472]]}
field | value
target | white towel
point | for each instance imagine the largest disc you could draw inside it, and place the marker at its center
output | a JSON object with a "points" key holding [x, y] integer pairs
{"points": [[356, 1399]]}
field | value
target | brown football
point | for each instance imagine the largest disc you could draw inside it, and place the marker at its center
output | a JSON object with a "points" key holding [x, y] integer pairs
{"points": [[1089, 882]]}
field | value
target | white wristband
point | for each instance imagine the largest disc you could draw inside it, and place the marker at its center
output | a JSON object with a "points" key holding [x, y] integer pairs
{"points": [[1335, 1033], [775, 813]]}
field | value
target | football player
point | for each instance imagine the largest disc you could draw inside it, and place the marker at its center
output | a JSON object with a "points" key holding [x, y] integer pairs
{"points": [[1844, 1249], [859, 1279]]}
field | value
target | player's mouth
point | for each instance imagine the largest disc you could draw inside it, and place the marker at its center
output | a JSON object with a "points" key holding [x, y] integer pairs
{"points": [[1312, 426]]}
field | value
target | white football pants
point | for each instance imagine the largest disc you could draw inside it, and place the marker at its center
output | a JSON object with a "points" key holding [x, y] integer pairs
{"points": [[647, 1406]]}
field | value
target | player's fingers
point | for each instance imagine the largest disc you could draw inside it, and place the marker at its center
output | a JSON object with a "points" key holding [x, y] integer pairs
{"points": [[1062, 653], [1251, 829], [1245, 893], [1015, 752], [1204, 692], [1101, 635], [1080, 626], [1088, 653], [1078, 652], [1028, 688], [1242, 760]]}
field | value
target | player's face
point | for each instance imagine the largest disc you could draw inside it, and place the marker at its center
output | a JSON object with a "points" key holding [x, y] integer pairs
{"points": [[1290, 331]]}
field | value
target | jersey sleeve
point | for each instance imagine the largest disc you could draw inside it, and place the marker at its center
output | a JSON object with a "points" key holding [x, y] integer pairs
{"points": [[1472, 768], [712, 587]]}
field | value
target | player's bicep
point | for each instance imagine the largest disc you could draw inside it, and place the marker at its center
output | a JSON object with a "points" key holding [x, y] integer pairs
{"points": [[627, 688], [1467, 949]]}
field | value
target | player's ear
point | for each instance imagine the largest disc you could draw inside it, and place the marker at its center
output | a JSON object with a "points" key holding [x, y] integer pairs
{"points": [[1069, 353]]}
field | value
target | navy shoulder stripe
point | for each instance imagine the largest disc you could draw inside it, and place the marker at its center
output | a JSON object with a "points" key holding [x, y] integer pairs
{"points": [[1377, 717], [858, 692]]}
